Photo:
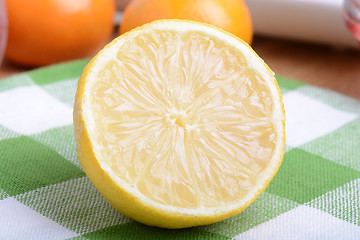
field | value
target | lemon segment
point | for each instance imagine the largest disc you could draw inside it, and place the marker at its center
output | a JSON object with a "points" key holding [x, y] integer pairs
{"points": [[179, 124]]}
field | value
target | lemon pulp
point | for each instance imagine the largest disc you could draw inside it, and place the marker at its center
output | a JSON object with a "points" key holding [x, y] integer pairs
{"points": [[185, 122]]}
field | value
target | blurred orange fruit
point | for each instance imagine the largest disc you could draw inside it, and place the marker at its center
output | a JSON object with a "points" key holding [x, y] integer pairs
{"points": [[42, 32], [230, 15]]}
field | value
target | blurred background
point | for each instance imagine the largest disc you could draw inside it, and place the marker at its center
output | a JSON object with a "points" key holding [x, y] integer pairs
{"points": [[309, 40]]}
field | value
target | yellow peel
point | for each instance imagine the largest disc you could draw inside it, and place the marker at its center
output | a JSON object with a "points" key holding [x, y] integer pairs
{"points": [[179, 124]]}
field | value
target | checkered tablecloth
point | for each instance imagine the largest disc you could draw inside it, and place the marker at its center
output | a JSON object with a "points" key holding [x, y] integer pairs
{"points": [[44, 194]]}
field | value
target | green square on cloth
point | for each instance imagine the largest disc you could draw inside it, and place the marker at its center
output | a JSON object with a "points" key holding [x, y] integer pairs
{"points": [[44, 193]]}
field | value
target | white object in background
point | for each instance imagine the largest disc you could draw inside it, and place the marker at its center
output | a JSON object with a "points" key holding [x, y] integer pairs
{"points": [[319, 21]]}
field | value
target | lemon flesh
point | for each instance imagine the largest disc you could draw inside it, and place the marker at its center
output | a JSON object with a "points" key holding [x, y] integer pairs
{"points": [[186, 120]]}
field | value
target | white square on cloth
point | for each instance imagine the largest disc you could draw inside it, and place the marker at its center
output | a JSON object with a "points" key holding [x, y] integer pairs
{"points": [[303, 223], [29, 110], [308, 119], [18, 221]]}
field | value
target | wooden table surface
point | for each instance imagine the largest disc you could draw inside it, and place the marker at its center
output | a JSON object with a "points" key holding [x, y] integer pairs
{"points": [[328, 67]]}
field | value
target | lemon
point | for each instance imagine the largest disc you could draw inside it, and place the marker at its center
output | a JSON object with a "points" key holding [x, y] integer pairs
{"points": [[179, 124]]}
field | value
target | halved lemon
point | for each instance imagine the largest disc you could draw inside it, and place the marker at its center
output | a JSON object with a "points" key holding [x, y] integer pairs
{"points": [[179, 124]]}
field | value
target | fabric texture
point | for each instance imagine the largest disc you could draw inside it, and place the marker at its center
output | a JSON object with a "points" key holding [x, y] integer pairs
{"points": [[44, 193]]}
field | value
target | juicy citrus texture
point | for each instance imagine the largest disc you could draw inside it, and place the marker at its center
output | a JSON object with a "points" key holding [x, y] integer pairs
{"points": [[230, 15], [42, 32], [179, 124], [193, 132]]}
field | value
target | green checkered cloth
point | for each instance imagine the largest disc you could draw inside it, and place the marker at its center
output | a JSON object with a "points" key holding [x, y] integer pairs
{"points": [[44, 193]]}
